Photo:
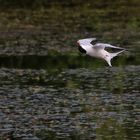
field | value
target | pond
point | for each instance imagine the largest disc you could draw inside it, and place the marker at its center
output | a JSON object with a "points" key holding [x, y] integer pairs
{"points": [[48, 90]]}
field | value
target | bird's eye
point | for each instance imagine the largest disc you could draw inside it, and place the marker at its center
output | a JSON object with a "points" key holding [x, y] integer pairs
{"points": [[81, 49]]}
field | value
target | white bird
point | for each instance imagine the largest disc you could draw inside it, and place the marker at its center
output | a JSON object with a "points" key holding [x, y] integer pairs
{"points": [[97, 50]]}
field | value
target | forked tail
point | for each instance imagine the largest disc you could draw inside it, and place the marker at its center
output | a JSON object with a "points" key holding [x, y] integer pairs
{"points": [[115, 54], [112, 55]]}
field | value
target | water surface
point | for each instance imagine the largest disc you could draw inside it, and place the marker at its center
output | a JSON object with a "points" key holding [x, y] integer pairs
{"points": [[48, 90]]}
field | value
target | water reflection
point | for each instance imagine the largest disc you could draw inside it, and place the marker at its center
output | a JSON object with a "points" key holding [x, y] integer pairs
{"points": [[60, 61]]}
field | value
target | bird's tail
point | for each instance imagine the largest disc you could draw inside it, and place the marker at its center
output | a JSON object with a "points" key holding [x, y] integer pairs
{"points": [[112, 55], [115, 54]]}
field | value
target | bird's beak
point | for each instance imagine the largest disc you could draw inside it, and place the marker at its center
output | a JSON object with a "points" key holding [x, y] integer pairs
{"points": [[77, 44]]}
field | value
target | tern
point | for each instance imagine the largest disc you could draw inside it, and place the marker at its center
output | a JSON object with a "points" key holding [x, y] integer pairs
{"points": [[97, 50]]}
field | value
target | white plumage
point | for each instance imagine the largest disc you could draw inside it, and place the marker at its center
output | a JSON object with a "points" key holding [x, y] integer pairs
{"points": [[98, 50]]}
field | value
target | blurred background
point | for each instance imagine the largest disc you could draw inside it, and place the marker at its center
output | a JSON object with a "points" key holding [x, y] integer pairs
{"points": [[48, 90]]}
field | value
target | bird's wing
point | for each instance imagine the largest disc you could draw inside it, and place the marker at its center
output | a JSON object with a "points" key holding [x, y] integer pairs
{"points": [[104, 45], [86, 42]]}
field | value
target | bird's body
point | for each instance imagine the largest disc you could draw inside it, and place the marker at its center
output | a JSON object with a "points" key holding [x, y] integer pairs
{"points": [[97, 50]]}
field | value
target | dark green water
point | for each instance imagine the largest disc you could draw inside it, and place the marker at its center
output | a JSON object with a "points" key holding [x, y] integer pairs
{"points": [[48, 90]]}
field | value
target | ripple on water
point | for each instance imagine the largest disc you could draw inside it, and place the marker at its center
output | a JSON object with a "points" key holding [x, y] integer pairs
{"points": [[85, 103]]}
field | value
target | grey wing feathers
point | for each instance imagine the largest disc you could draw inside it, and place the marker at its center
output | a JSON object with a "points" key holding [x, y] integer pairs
{"points": [[86, 42], [103, 45]]}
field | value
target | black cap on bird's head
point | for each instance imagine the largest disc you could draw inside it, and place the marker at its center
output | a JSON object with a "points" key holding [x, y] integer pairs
{"points": [[80, 48]]}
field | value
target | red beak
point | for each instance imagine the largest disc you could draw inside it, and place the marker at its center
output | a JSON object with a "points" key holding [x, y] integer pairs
{"points": [[77, 44]]}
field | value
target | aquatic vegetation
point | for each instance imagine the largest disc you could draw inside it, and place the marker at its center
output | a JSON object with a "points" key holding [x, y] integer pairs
{"points": [[48, 90]]}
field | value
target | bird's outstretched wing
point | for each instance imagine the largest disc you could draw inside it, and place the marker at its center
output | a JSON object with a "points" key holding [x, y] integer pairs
{"points": [[104, 45], [86, 42]]}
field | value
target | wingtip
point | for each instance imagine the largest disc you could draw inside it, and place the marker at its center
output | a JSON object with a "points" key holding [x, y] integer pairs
{"points": [[93, 38], [110, 65], [109, 62]]}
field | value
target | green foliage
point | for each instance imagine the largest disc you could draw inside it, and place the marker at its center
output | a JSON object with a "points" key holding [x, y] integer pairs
{"points": [[70, 3], [109, 130], [46, 134]]}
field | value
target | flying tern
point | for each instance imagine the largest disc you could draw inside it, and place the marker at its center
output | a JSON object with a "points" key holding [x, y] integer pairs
{"points": [[98, 50]]}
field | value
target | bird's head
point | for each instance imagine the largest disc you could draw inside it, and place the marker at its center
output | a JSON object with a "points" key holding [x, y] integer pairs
{"points": [[83, 51], [77, 44]]}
